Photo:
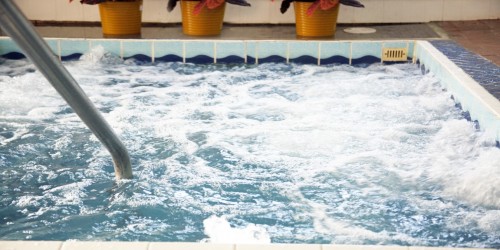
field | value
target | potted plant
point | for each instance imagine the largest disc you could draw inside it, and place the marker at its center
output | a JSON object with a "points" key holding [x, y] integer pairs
{"points": [[203, 17], [119, 18], [316, 18]]}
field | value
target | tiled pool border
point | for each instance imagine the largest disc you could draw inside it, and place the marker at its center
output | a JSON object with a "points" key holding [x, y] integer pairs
{"points": [[109, 245], [222, 51], [481, 105]]}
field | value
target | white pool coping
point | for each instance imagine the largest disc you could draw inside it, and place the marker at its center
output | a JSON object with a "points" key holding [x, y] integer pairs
{"points": [[474, 98], [112, 245]]}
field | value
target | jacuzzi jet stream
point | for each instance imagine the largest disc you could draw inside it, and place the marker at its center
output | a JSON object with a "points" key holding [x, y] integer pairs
{"points": [[15, 24]]}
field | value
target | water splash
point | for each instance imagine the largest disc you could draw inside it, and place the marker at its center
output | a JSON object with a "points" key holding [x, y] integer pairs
{"points": [[302, 154]]}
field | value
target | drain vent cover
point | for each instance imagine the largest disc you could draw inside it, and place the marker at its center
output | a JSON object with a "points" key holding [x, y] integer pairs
{"points": [[360, 30], [394, 55]]}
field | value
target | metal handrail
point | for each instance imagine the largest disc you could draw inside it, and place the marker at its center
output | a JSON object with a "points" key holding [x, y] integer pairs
{"points": [[16, 25]]}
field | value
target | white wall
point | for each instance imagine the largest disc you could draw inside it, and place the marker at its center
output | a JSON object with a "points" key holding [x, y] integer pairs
{"points": [[266, 11]]}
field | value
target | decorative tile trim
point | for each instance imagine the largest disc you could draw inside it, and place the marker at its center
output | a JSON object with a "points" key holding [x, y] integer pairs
{"points": [[220, 51]]}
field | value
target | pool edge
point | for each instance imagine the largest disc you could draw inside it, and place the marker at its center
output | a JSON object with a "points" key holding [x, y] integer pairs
{"points": [[482, 106], [81, 245]]}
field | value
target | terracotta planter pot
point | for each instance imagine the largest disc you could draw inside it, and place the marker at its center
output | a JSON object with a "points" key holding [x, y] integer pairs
{"points": [[121, 19], [322, 23], [207, 23]]}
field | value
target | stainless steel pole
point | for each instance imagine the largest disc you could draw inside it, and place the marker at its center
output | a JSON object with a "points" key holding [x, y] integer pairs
{"points": [[16, 25]]}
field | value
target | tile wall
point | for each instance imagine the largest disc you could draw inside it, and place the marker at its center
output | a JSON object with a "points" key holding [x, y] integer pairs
{"points": [[265, 11], [220, 51]]}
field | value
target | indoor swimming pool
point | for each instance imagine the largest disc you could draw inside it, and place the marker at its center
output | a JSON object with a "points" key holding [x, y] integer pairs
{"points": [[247, 153]]}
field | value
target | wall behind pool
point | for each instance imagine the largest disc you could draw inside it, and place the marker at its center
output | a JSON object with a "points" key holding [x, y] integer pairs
{"points": [[267, 11]]}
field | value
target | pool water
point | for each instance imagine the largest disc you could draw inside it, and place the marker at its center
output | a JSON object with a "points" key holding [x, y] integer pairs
{"points": [[277, 153]]}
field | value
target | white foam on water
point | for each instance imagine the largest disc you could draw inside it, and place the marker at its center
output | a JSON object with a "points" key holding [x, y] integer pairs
{"points": [[220, 231], [316, 154], [465, 167]]}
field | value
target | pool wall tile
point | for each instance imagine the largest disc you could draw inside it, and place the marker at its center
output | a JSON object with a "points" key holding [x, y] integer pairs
{"points": [[9, 49], [473, 98], [272, 52], [252, 51], [53, 45], [230, 52], [168, 51], [411, 49], [139, 49], [111, 46], [199, 51], [108, 245], [278, 246], [366, 52], [73, 48], [38, 245], [335, 52], [303, 52], [188, 246], [363, 247]]}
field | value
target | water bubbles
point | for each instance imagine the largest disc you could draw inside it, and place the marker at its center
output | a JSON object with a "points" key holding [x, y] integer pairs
{"points": [[270, 153]]}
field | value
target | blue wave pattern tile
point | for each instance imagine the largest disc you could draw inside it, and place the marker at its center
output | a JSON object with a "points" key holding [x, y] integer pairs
{"points": [[168, 51], [483, 71], [10, 50], [201, 52], [272, 52], [335, 52], [230, 52], [73, 49], [141, 50], [210, 51], [366, 53], [303, 52]]}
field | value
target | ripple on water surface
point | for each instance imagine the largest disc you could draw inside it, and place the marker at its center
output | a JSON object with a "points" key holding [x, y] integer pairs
{"points": [[269, 153]]}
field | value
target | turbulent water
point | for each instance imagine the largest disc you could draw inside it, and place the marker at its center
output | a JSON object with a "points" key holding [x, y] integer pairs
{"points": [[243, 153]]}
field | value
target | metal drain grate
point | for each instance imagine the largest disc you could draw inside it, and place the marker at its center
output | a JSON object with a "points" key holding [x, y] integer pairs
{"points": [[394, 55]]}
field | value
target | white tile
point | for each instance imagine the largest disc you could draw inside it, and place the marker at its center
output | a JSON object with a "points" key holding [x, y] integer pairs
{"points": [[397, 11], [494, 9], [188, 246], [443, 248], [83, 245], [65, 11], [278, 247], [155, 11], [372, 12], [37, 10], [452, 10], [475, 9], [90, 13], [362, 247], [433, 10], [29, 245]]}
